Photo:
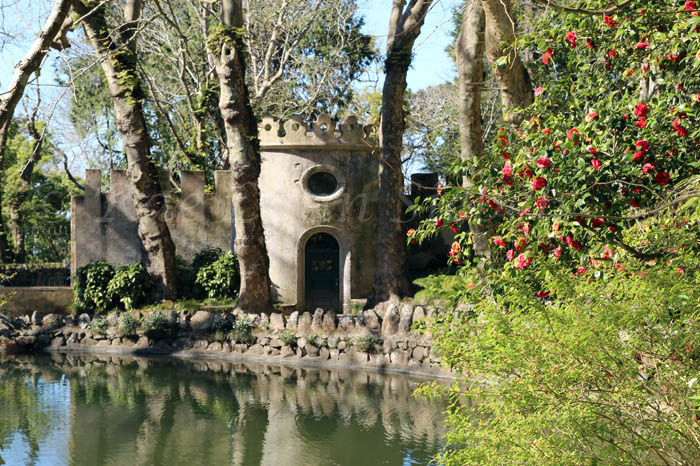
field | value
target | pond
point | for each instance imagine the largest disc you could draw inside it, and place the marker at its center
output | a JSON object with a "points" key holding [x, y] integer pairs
{"points": [[69, 409]]}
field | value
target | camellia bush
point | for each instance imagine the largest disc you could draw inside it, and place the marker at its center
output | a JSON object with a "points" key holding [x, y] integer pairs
{"points": [[581, 346]]}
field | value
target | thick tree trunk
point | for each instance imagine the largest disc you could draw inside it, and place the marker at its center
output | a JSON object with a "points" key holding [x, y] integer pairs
{"points": [[512, 76], [470, 69], [244, 158], [404, 26], [30, 64], [119, 66]]}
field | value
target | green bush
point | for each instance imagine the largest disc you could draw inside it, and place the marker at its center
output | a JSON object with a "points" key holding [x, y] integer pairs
{"points": [[128, 325], [90, 287], [98, 325], [364, 343], [221, 324], [158, 326], [604, 370], [130, 286], [242, 331], [205, 257], [221, 278], [288, 338]]}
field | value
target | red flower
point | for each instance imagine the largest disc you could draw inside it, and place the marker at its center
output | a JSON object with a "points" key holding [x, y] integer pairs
{"points": [[641, 123], [571, 38], [681, 131], [542, 203], [597, 222], [641, 110], [596, 164], [568, 240], [538, 183], [522, 262], [439, 222], [581, 270], [634, 203], [454, 229], [609, 21], [543, 162], [539, 90], [643, 144], [547, 56], [638, 156], [509, 255], [690, 5], [647, 167], [410, 233], [643, 45], [570, 135], [507, 169], [542, 294], [576, 245], [612, 229], [589, 43], [591, 116], [593, 151], [556, 253], [662, 178], [612, 54], [498, 241]]}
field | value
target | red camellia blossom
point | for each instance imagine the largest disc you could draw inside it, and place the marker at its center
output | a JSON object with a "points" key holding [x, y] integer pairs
{"points": [[573, 133], [641, 123], [681, 131], [641, 110], [454, 229], [498, 241], [597, 222], [542, 203], [591, 116], [609, 21], [543, 162], [638, 156], [581, 270], [634, 203], [556, 252], [439, 222], [576, 245], [642, 144], [571, 38], [542, 294], [593, 151], [509, 255], [522, 261], [613, 229], [410, 233], [507, 169], [589, 43], [539, 90], [662, 178], [539, 183], [647, 167], [612, 54], [596, 164], [547, 56], [690, 5], [643, 45]]}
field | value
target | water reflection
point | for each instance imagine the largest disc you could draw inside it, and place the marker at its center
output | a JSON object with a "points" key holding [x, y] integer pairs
{"points": [[136, 411]]}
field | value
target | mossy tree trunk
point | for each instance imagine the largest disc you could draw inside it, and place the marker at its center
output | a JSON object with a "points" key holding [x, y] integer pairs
{"points": [[226, 45], [117, 53], [404, 27]]}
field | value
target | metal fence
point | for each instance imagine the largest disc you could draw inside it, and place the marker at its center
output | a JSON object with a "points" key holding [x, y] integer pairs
{"points": [[40, 274]]}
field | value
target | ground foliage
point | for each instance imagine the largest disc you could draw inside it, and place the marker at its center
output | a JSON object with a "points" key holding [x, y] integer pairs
{"points": [[581, 346]]}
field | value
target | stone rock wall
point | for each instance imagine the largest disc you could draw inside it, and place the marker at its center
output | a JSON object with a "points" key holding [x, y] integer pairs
{"points": [[320, 338]]}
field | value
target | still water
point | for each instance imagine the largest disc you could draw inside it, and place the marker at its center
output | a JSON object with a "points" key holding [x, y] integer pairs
{"points": [[88, 410]]}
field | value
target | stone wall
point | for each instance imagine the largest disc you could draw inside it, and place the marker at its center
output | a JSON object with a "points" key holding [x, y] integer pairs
{"points": [[376, 339], [43, 299], [104, 227]]}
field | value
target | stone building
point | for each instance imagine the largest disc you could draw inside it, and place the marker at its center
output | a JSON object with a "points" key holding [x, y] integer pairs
{"points": [[318, 189]]}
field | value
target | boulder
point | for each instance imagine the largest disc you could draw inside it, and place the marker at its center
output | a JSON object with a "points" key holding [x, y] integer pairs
{"points": [[418, 313], [391, 321], [317, 321], [276, 321], [311, 350], [419, 353], [400, 358], [52, 321], [305, 322], [112, 319], [36, 318], [201, 320], [276, 343], [292, 320], [328, 323], [287, 351], [324, 353], [83, 320], [346, 323], [405, 318], [371, 319]]}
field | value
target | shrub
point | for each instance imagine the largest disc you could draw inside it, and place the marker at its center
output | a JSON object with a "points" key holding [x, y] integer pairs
{"points": [[130, 286], [221, 324], [127, 325], [364, 343], [221, 278], [242, 331], [205, 257], [90, 287], [288, 338], [98, 325], [158, 326]]}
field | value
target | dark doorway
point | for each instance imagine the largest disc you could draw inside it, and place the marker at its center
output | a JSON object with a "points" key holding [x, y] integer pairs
{"points": [[322, 278]]}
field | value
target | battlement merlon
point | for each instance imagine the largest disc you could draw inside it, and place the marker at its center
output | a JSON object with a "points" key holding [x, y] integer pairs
{"points": [[322, 134]]}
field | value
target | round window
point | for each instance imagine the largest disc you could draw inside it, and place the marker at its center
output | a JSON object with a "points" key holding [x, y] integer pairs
{"points": [[322, 183]]}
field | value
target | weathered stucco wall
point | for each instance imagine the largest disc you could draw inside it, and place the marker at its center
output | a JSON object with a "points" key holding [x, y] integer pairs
{"points": [[43, 299], [103, 225]]}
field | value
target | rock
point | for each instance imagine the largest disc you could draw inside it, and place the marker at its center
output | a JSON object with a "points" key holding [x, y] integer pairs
{"points": [[276, 343], [333, 354], [292, 320], [263, 340], [83, 320], [328, 323], [345, 358], [324, 354], [301, 342], [276, 321], [311, 350], [360, 357], [264, 320], [287, 351], [113, 319], [240, 348], [36, 318], [201, 321], [418, 313], [419, 354], [304, 324], [172, 316], [214, 346], [342, 345], [399, 358], [226, 347], [142, 343], [274, 352], [254, 350], [346, 323], [371, 319], [317, 321], [391, 321], [405, 318], [333, 341], [377, 360]]}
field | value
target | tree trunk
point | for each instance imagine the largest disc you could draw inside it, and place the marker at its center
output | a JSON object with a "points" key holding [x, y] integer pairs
{"points": [[470, 69], [404, 26], [119, 66], [31, 63], [244, 158], [511, 75]]}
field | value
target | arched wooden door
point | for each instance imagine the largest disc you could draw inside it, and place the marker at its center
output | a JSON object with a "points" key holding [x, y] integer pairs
{"points": [[322, 274]]}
